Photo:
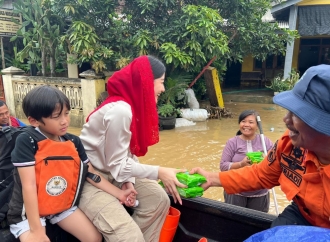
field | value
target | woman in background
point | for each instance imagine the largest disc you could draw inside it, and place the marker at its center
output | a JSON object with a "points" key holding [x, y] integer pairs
{"points": [[234, 157]]}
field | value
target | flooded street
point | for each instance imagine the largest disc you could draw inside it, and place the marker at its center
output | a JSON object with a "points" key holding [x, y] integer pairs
{"points": [[202, 144]]}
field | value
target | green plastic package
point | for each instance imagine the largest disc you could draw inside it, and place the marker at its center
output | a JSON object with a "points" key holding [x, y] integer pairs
{"points": [[255, 157], [193, 180], [190, 192]]}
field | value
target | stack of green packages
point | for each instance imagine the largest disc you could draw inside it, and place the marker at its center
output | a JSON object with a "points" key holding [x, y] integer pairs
{"points": [[255, 157], [192, 182]]}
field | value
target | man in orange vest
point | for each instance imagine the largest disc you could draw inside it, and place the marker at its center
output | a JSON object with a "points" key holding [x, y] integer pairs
{"points": [[299, 161]]}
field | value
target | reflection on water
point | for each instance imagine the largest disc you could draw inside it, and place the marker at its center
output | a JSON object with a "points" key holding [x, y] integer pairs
{"points": [[202, 144]]}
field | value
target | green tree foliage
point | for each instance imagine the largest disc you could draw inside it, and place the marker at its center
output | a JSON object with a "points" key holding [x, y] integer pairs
{"points": [[184, 33], [40, 31], [93, 30], [190, 32]]}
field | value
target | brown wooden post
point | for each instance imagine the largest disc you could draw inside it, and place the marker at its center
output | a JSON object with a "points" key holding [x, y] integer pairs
{"points": [[213, 87]]}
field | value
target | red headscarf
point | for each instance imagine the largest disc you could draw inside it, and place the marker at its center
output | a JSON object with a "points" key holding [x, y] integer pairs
{"points": [[134, 84]]}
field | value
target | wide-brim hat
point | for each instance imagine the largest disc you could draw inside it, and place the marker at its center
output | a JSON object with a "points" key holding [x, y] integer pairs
{"points": [[310, 98]]}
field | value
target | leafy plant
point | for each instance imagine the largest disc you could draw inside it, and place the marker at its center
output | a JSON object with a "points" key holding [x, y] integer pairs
{"points": [[122, 62], [175, 87], [96, 33], [84, 42], [292, 79], [40, 31], [15, 61], [278, 84], [168, 110]]}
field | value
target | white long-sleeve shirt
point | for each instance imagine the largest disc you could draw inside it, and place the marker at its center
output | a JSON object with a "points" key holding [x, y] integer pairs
{"points": [[106, 139]]}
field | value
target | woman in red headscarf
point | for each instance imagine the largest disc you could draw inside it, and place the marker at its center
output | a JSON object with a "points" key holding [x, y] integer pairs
{"points": [[116, 133]]}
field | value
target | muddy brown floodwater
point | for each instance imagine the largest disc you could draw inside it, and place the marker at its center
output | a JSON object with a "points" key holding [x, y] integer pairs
{"points": [[202, 144]]}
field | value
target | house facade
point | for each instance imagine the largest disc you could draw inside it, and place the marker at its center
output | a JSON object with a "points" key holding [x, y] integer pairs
{"points": [[311, 18]]}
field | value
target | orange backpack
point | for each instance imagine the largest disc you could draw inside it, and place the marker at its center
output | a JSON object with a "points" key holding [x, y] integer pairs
{"points": [[60, 174]]}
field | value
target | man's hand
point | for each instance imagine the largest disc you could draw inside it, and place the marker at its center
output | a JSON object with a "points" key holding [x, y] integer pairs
{"points": [[212, 178]]}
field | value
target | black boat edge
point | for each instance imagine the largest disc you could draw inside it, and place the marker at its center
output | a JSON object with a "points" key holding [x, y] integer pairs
{"points": [[218, 221], [200, 217]]}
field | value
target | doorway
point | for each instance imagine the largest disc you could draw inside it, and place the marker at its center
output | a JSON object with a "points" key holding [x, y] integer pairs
{"points": [[233, 75], [313, 52]]}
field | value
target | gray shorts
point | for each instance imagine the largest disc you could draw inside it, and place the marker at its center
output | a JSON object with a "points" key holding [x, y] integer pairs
{"points": [[23, 226]]}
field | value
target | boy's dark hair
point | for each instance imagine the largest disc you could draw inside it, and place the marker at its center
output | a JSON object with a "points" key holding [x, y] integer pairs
{"points": [[41, 102], [243, 115], [158, 68], [2, 103]]}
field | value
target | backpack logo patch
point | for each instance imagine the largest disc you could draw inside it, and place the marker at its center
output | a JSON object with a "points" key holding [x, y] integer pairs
{"points": [[56, 186]]}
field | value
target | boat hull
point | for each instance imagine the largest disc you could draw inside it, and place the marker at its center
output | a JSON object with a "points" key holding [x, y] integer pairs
{"points": [[200, 217], [218, 221]]}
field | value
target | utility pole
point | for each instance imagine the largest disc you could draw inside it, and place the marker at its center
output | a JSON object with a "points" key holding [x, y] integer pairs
{"points": [[3, 55]]}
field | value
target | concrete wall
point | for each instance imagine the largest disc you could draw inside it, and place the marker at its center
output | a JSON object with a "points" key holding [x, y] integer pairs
{"points": [[247, 65], [82, 93]]}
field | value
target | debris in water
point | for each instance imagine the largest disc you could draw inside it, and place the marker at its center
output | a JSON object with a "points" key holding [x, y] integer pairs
{"points": [[217, 112], [269, 108]]}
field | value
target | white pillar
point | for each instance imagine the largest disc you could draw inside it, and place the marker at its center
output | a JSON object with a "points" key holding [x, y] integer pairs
{"points": [[72, 68], [290, 44], [8, 87], [91, 88]]}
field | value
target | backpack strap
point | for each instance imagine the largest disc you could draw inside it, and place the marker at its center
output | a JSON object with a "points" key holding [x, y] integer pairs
{"points": [[37, 136], [7, 132]]}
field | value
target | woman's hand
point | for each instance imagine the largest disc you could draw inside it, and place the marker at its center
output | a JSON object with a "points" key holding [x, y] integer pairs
{"points": [[128, 194], [130, 201], [168, 177], [245, 162], [131, 198]]}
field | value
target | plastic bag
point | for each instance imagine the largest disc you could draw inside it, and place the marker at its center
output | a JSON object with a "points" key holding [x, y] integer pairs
{"points": [[255, 157], [292, 233], [194, 114], [190, 192], [182, 122], [193, 180], [192, 100]]}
